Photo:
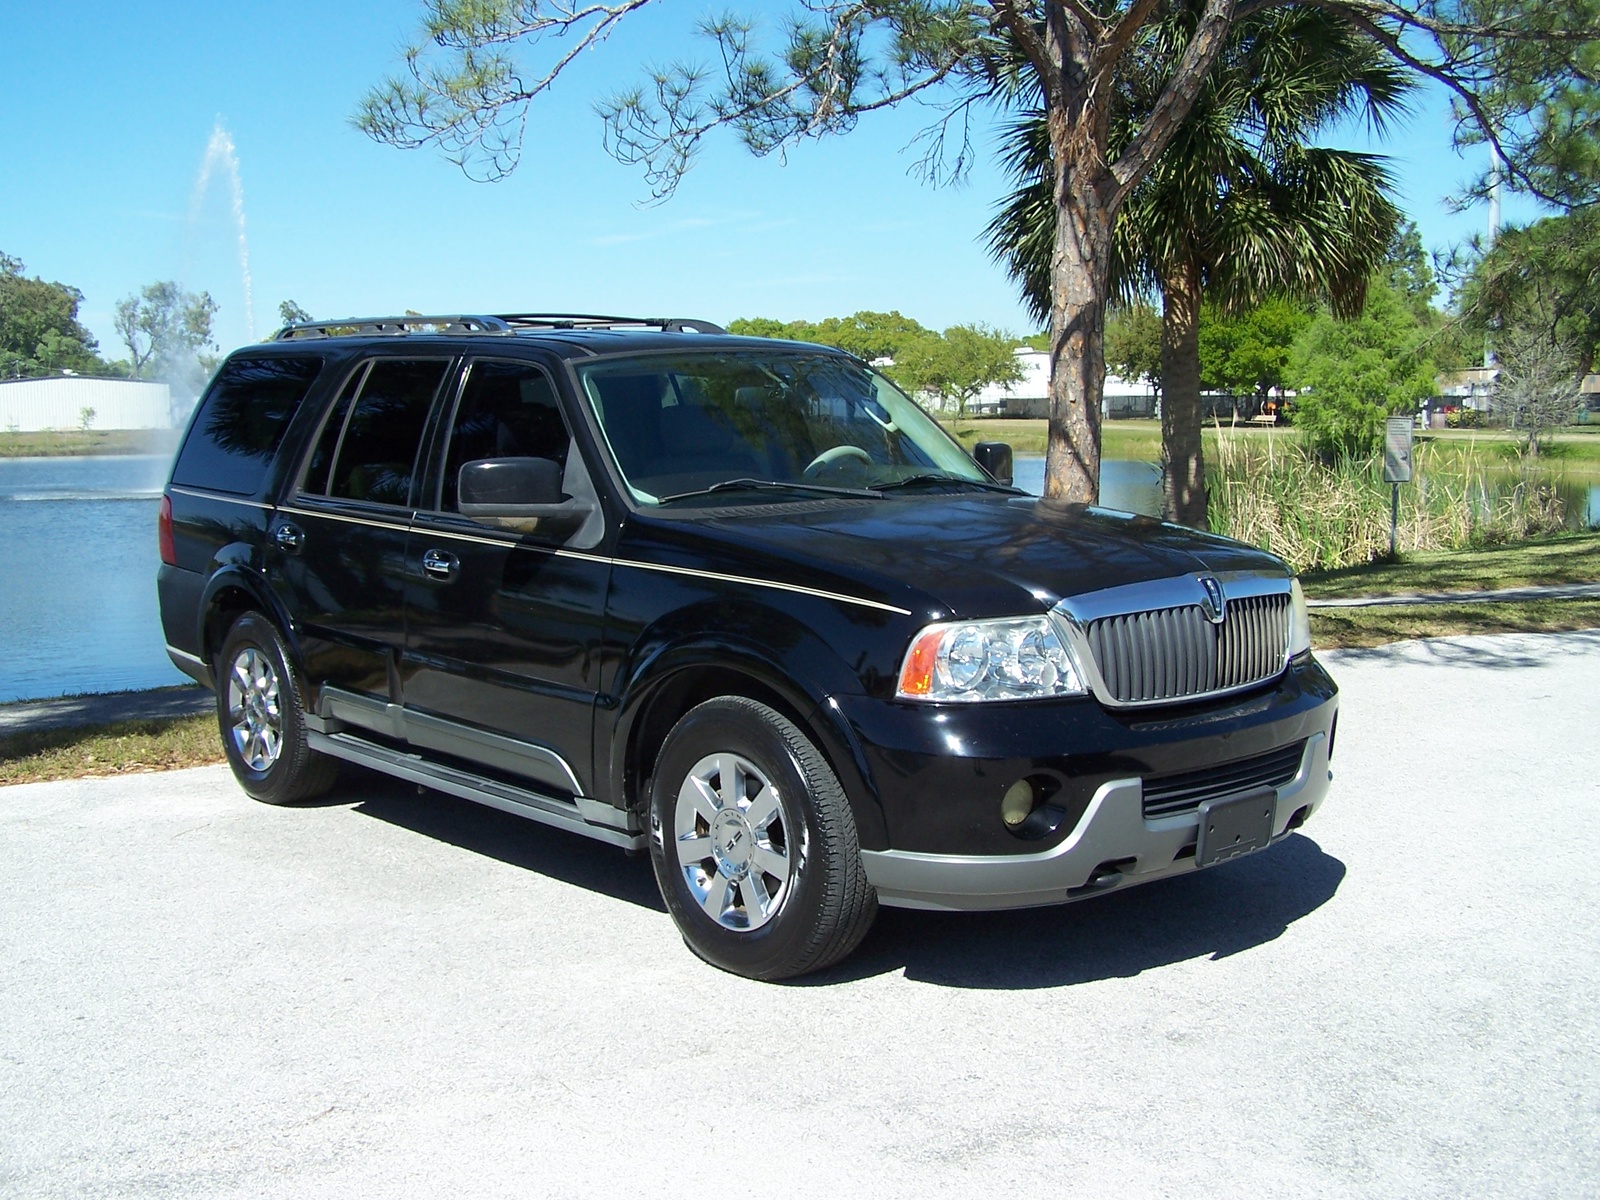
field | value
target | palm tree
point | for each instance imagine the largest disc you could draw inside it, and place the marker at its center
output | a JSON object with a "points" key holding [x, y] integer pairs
{"points": [[1239, 207]]}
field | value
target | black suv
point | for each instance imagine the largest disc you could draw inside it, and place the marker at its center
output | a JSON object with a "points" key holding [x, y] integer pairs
{"points": [[738, 601]]}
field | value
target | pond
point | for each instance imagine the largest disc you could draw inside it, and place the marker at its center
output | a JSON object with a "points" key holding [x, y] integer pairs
{"points": [[78, 605]]}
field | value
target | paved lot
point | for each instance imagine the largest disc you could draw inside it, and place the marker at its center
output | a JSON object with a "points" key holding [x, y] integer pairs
{"points": [[403, 995]]}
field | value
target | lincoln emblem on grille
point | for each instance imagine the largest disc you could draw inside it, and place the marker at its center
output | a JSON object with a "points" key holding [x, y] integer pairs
{"points": [[1214, 604]]}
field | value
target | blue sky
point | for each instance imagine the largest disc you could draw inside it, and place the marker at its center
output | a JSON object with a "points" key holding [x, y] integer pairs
{"points": [[107, 121]]}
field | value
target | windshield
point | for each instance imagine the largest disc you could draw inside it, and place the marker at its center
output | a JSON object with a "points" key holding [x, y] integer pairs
{"points": [[678, 424]]}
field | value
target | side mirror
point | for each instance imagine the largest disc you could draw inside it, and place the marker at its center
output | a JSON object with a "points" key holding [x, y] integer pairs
{"points": [[995, 458], [523, 494], [498, 482]]}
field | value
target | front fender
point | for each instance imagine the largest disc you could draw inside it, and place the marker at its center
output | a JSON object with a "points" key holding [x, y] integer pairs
{"points": [[676, 661]]}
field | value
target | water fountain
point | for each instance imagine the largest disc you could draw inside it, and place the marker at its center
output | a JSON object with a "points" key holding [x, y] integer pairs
{"points": [[221, 157]]}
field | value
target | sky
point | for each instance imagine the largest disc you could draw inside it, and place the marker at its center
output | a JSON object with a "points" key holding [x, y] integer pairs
{"points": [[107, 122]]}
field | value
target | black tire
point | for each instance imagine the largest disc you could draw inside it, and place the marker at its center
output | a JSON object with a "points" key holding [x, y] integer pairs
{"points": [[261, 717], [720, 760]]}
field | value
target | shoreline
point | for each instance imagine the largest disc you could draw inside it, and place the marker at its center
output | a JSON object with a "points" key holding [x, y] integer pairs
{"points": [[105, 708]]}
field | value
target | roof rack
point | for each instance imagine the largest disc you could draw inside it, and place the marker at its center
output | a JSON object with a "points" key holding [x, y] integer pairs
{"points": [[591, 321], [453, 323], [456, 324]]}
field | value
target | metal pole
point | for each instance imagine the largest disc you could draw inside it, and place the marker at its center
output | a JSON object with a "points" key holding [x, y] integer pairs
{"points": [[1394, 514]]}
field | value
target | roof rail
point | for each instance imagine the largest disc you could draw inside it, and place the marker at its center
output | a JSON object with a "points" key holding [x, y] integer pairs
{"points": [[453, 323], [456, 324], [592, 321]]}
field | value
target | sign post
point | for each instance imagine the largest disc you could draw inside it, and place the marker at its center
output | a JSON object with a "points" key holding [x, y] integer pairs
{"points": [[1396, 467]]}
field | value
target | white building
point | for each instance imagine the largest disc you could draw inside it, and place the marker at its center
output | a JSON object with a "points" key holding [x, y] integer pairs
{"points": [[77, 402], [1030, 396]]}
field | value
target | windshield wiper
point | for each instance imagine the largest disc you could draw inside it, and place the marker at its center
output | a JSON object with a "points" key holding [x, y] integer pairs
{"points": [[936, 477], [771, 485]]}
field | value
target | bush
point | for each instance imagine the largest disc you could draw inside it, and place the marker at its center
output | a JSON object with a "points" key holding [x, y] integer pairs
{"points": [[1319, 516]]}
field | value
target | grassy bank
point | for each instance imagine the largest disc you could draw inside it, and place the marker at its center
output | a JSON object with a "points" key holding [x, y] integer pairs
{"points": [[1362, 627], [120, 749], [1563, 558], [1318, 516], [62, 443], [1567, 558]]}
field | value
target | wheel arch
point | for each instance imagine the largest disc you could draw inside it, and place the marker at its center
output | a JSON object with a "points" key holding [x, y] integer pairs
{"points": [[230, 594], [691, 675]]}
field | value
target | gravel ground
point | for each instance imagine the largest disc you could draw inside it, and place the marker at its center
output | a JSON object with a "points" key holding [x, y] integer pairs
{"points": [[403, 995]]}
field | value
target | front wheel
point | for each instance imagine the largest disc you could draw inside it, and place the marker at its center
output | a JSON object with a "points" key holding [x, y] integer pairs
{"points": [[261, 714], [754, 844]]}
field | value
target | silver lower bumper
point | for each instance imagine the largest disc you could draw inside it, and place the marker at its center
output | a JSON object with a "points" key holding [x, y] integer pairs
{"points": [[1111, 830]]}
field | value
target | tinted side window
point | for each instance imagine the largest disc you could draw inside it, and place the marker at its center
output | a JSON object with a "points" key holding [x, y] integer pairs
{"points": [[241, 421], [507, 410], [378, 452], [318, 469]]}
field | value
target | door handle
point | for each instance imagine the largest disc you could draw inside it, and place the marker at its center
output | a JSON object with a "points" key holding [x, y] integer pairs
{"points": [[290, 538], [441, 564]]}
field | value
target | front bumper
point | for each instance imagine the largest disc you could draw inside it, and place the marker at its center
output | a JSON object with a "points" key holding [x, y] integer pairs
{"points": [[1112, 845]]}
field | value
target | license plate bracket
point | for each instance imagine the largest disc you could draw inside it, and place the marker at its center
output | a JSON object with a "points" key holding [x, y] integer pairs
{"points": [[1233, 826]]}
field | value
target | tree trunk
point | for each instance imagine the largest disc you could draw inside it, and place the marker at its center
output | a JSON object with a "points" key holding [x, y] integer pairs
{"points": [[1181, 450], [1079, 272]]}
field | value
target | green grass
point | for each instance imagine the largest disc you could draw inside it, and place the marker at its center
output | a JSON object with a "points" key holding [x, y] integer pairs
{"points": [[1576, 446], [1351, 627], [1565, 558], [58, 443], [119, 749]]}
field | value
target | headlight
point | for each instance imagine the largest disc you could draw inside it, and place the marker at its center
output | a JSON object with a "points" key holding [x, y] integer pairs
{"points": [[1299, 620], [1016, 658]]}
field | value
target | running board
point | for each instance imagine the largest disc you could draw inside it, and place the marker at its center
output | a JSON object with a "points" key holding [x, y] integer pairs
{"points": [[563, 814]]}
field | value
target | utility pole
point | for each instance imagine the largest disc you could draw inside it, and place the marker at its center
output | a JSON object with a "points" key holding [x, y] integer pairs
{"points": [[1496, 170]]}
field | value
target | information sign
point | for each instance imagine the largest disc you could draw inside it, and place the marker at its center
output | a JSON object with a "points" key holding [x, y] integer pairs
{"points": [[1397, 451]]}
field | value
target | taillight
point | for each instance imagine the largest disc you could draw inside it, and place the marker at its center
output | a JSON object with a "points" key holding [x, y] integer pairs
{"points": [[169, 553]]}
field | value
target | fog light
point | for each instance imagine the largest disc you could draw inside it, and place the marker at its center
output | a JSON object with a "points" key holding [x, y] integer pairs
{"points": [[1017, 803]]}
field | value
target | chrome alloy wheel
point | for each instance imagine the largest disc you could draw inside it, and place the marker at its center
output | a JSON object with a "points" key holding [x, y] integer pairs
{"points": [[253, 709], [737, 857]]}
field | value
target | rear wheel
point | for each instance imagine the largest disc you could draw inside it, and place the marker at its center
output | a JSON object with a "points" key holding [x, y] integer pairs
{"points": [[261, 715], [754, 843]]}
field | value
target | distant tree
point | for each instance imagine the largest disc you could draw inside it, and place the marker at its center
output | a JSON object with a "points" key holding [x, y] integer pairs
{"points": [[1250, 353], [1406, 268], [1352, 375], [1133, 343], [1538, 386], [291, 313], [867, 335], [958, 364], [766, 327], [1543, 276], [164, 326], [39, 329], [872, 336], [955, 365], [165, 329]]}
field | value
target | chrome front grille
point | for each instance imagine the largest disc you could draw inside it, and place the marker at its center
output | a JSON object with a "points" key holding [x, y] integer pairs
{"points": [[1183, 792], [1178, 653]]}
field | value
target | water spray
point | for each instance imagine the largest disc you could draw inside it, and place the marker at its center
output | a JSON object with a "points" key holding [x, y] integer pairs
{"points": [[220, 153]]}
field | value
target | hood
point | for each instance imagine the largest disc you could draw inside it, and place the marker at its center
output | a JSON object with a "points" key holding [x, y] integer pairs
{"points": [[987, 554]]}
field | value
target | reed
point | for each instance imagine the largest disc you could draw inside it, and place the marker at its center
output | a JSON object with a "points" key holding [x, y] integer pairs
{"points": [[1276, 494]]}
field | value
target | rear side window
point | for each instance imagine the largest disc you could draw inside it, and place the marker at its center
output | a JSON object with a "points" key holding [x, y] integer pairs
{"points": [[241, 421], [375, 453]]}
